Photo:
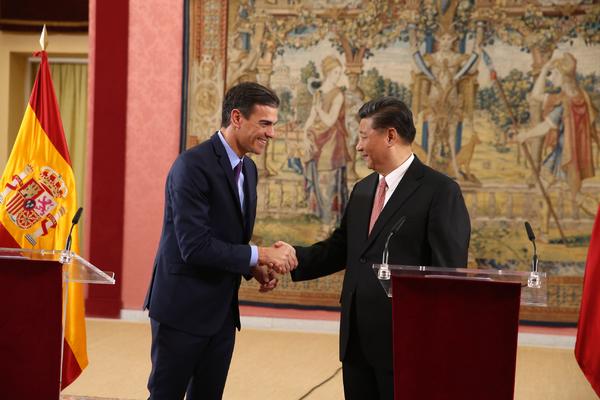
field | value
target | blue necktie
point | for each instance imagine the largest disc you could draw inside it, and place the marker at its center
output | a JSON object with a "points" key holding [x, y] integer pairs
{"points": [[236, 172]]}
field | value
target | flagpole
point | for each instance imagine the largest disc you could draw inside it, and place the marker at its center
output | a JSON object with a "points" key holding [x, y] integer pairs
{"points": [[44, 38], [528, 156], [44, 46]]}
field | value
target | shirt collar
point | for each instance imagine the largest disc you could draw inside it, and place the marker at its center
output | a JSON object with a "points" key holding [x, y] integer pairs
{"points": [[393, 178], [233, 158]]}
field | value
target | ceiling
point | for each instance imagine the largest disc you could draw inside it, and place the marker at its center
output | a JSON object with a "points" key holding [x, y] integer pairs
{"points": [[31, 15]]}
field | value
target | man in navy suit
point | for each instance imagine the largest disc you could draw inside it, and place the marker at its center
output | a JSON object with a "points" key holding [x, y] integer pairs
{"points": [[210, 206], [436, 232]]}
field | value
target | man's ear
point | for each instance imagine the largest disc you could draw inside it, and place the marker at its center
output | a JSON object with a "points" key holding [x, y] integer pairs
{"points": [[236, 118], [392, 135]]}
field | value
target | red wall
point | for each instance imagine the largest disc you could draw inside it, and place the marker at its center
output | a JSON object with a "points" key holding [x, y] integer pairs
{"points": [[134, 109], [153, 112]]}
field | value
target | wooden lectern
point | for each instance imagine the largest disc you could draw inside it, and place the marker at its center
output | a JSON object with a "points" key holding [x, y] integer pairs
{"points": [[31, 326], [455, 330]]}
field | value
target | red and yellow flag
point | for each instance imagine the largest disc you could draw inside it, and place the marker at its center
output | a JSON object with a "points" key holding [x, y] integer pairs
{"points": [[38, 200]]}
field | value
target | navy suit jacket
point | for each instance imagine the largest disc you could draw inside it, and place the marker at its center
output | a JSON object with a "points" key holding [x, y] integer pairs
{"points": [[436, 232], [203, 249]]}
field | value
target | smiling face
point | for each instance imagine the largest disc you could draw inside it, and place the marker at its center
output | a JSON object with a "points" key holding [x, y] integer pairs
{"points": [[372, 145], [252, 134]]}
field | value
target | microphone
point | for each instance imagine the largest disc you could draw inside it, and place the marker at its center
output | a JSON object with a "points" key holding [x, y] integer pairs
{"points": [[534, 280], [65, 256], [531, 236], [384, 270]]}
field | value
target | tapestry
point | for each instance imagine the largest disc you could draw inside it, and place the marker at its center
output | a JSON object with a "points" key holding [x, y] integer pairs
{"points": [[504, 95]]}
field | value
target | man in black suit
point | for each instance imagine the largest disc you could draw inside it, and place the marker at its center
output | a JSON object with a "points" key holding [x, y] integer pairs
{"points": [[436, 232], [210, 205]]}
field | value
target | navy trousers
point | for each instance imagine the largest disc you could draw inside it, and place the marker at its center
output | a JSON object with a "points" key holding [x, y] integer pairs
{"points": [[185, 364]]}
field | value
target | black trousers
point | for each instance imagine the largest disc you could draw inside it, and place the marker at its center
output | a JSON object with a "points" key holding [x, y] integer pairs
{"points": [[185, 364], [362, 381]]}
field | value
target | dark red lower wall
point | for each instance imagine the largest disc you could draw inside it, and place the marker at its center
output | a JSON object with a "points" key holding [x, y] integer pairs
{"points": [[108, 132]]}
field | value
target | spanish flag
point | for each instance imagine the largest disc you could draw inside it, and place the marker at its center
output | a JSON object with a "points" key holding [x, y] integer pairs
{"points": [[38, 200]]}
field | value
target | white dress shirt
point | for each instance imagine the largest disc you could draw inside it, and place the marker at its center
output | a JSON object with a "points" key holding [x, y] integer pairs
{"points": [[393, 178]]}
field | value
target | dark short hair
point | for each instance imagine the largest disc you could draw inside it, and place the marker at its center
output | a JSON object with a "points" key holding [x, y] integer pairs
{"points": [[244, 97], [390, 112]]}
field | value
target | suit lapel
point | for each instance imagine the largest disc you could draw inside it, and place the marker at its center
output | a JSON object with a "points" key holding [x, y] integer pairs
{"points": [[364, 196], [250, 195], [223, 160], [409, 183]]}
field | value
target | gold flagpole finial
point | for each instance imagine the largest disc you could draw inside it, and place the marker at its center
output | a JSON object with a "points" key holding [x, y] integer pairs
{"points": [[44, 38]]}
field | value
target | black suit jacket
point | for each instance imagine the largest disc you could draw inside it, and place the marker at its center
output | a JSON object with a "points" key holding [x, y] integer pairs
{"points": [[203, 250], [436, 233]]}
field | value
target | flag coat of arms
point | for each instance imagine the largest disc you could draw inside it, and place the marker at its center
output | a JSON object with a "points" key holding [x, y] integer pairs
{"points": [[38, 200]]}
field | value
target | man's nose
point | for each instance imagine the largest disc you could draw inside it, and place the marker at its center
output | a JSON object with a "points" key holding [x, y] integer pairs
{"points": [[270, 132]]}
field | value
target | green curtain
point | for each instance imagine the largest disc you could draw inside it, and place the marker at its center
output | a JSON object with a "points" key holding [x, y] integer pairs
{"points": [[70, 84]]}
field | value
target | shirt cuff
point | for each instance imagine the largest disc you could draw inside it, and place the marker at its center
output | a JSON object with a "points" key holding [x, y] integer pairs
{"points": [[253, 255]]}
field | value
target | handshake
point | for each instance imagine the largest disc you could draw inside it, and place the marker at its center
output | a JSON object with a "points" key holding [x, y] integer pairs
{"points": [[279, 258]]}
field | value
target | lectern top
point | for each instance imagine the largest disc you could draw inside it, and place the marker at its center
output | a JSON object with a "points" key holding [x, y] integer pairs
{"points": [[533, 284], [75, 267]]}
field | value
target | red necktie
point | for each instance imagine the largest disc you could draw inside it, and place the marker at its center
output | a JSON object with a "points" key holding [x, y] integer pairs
{"points": [[378, 203]]}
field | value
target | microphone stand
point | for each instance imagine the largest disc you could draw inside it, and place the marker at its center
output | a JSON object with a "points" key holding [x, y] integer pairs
{"points": [[384, 273], [534, 280], [66, 255]]}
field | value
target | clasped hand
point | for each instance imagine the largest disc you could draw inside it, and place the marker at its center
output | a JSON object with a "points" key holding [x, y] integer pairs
{"points": [[266, 277], [281, 257]]}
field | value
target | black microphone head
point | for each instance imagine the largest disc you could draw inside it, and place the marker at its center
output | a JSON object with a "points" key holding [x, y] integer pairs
{"points": [[530, 234], [77, 216], [399, 224]]}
